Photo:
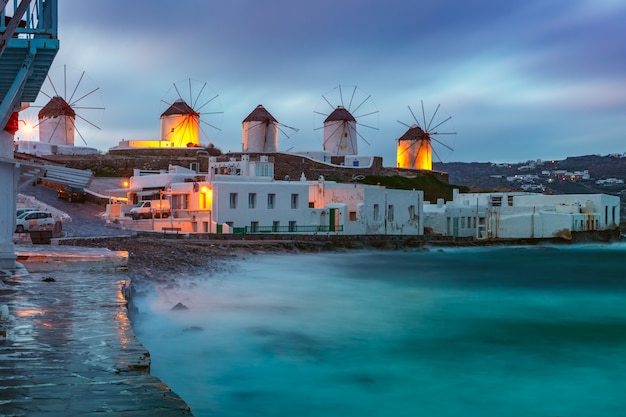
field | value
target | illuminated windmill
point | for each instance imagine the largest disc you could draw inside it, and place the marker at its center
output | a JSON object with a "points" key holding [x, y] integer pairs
{"points": [[181, 123], [415, 148], [67, 114], [340, 125]]}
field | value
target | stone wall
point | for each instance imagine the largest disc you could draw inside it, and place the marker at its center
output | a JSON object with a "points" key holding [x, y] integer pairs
{"points": [[120, 163]]}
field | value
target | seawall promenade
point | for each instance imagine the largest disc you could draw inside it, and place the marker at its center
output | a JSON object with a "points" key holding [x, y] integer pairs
{"points": [[68, 347]]}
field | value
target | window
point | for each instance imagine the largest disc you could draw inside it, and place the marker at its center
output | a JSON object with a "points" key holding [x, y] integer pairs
{"points": [[412, 215], [275, 226], [264, 169], [352, 216], [294, 201], [233, 200], [292, 224], [510, 200], [271, 201], [496, 201], [251, 200], [376, 212], [254, 227], [180, 201], [390, 213]]}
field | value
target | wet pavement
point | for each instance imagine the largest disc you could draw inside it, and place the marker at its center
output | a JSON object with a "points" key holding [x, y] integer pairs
{"points": [[67, 347], [85, 220]]}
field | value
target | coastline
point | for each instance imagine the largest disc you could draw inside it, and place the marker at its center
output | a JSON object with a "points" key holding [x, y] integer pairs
{"points": [[154, 256]]}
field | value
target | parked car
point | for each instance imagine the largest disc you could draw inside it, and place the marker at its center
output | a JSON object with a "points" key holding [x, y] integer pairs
{"points": [[34, 220], [71, 193], [22, 210]]}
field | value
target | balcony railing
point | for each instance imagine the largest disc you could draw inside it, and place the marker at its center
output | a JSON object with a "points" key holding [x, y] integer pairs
{"points": [[39, 19]]}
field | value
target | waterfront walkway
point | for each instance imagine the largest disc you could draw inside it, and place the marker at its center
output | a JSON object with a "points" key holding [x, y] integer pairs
{"points": [[67, 348]]}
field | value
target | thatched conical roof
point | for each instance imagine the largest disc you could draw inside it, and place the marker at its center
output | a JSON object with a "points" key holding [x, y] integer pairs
{"points": [[179, 107], [340, 114], [414, 133], [56, 107], [260, 114]]}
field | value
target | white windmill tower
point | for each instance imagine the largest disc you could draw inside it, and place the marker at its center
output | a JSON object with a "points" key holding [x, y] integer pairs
{"points": [[181, 123], [340, 133], [415, 147], [341, 136], [56, 121], [259, 132]]}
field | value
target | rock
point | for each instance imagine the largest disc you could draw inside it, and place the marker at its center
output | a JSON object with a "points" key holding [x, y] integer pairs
{"points": [[179, 307], [193, 329]]}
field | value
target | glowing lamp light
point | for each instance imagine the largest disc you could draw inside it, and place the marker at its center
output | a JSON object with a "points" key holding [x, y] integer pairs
{"points": [[27, 128], [206, 199], [125, 184]]}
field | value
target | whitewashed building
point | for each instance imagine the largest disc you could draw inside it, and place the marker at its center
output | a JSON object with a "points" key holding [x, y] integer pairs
{"points": [[519, 215], [242, 196]]}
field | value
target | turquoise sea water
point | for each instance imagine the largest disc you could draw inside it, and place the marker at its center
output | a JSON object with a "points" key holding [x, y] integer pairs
{"points": [[499, 331]]}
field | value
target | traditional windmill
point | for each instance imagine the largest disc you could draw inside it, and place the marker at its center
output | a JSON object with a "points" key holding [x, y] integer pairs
{"points": [[259, 132], [67, 114], [340, 125], [415, 147], [56, 122], [181, 125]]}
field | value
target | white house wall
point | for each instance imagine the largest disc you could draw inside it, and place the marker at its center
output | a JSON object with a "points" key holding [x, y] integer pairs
{"points": [[404, 222], [243, 215], [161, 179], [522, 215], [605, 207], [44, 148], [368, 208]]}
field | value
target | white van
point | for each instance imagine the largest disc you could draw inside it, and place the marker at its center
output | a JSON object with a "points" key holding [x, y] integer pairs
{"points": [[147, 208]]}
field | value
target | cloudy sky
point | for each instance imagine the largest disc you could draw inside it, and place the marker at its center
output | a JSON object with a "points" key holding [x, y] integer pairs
{"points": [[522, 80]]}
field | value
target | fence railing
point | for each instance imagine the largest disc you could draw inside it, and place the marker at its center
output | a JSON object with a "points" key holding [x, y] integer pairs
{"points": [[287, 229]]}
